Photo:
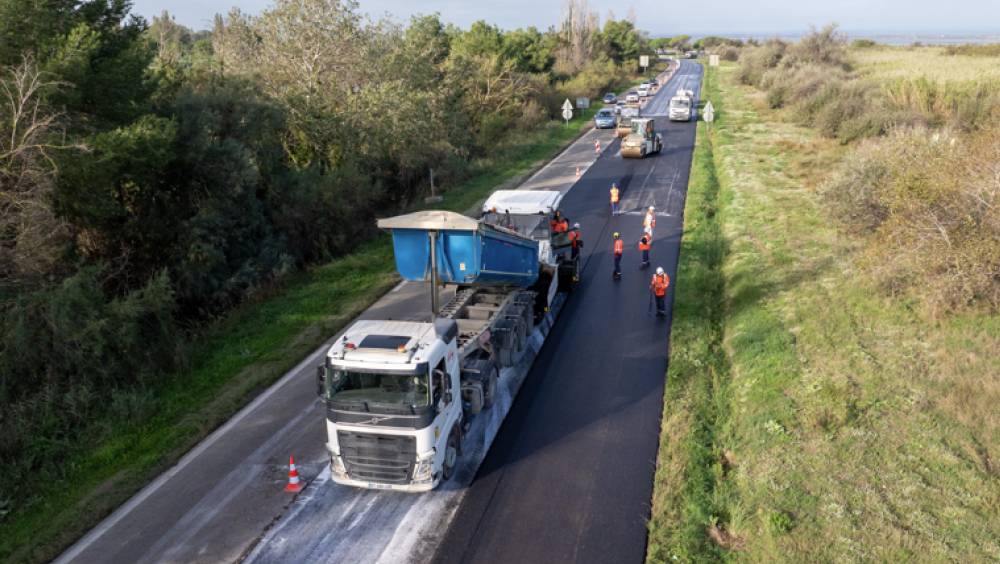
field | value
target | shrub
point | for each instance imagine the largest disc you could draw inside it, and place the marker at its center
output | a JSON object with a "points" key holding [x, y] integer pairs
{"points": [[756, 61], [974, 50], [928, 205], [729, 53], [863, 44]]}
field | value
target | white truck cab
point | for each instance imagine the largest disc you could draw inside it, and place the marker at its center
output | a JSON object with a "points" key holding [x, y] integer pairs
{"points": [[393, 402], [680, 108]]}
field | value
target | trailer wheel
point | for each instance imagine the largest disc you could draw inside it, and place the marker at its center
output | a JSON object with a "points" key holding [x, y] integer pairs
{"points": [[490, 388], [450, 456]]}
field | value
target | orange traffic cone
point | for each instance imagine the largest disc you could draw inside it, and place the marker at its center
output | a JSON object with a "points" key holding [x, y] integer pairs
{"points": [[293, 477], [597, 145]]}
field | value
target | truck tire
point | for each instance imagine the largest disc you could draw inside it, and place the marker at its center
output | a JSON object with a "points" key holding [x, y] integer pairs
{"points": [[490, 387], [451, 451]]}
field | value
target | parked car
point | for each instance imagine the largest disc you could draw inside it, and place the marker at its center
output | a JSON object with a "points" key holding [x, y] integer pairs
{"points": [[604, 119], [610, 98]]}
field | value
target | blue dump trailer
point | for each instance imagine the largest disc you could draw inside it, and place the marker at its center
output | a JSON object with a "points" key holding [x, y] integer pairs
{"points": [[467, 252]]}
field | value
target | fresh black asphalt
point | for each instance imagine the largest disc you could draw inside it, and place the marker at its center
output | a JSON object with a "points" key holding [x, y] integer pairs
{"points": [[570, 475]]}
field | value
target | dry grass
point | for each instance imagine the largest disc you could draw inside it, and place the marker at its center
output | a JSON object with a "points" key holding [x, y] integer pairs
{"points": [[887, 63]]}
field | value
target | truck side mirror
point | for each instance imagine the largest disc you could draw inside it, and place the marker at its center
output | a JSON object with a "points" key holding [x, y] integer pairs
{"points": [[447, 397], [320, 380]]}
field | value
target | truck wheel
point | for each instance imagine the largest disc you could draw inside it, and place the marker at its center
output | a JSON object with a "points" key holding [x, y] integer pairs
{"points": [[450, 456], [490, 388]]}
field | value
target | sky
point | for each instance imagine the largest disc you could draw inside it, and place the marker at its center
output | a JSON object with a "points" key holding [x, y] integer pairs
{"points": [[662, 18]]}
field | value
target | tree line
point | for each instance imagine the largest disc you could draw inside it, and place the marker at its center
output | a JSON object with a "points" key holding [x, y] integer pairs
{"points": [[153, 177]]}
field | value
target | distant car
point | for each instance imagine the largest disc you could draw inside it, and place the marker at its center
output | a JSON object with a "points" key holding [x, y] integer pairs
{"points": [[610, 98], [643, 90], [632, 97], [618, 107], [605, 119]]}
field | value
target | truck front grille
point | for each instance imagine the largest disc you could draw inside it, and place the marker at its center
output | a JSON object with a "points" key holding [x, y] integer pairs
{"points": [[384, 459]]}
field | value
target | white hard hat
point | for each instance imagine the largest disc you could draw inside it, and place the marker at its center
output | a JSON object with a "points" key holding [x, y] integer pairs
{"points": [[651, 208], [659, 270], [576, 226]]}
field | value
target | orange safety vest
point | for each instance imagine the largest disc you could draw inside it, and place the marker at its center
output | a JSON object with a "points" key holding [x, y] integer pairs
{"points": [[574, 236], [614, 194], [619, 246], [660, 283], [562, 226], [643, 244]]}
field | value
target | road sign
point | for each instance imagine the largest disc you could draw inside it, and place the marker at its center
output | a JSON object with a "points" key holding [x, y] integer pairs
{"points": [[582, 103], [567, 115], [644, 61], [708, 114], [713, 60], [567, 105]]}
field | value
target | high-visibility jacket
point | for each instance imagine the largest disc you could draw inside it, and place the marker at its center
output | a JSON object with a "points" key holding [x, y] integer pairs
{"points": [[659, 284], [643, 244], [574, 238], [614, 194], [561, 226], [619, 246]]}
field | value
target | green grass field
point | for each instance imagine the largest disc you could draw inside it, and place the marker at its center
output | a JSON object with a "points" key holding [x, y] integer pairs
{"points": [[235, 360], [819, 419]]}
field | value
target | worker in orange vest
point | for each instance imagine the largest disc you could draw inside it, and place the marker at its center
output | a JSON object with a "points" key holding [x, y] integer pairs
{"points": [[659, 286], [619, 249], [575, 241], [644, 246], [559, 224], [615, 197]]}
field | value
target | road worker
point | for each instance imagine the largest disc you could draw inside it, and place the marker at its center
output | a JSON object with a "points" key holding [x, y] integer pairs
{"points": [[575, 241], [659, 286], [649, 222], [644, 246], [619, 249], [559, 224], [615, 197]]}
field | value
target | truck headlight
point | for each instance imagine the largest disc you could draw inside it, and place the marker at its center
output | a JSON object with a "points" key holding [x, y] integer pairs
{"points": [[424, 469], [337, 465]]}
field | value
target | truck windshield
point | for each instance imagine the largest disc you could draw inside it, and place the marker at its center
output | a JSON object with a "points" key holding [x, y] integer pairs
{"points": [[680, 103], [363, 389]]}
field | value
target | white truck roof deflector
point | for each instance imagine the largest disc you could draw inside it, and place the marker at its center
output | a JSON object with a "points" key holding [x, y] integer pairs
{"points": [[523, 202]]}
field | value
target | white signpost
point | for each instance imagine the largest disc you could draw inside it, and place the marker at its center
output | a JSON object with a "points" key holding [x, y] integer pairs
{"points": [[643, 62], [708, 114], [582, 103], [713, 60], [567, 110]]}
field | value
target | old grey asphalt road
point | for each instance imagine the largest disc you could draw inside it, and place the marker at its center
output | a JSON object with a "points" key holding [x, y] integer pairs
{"points": [[569, 477]]}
